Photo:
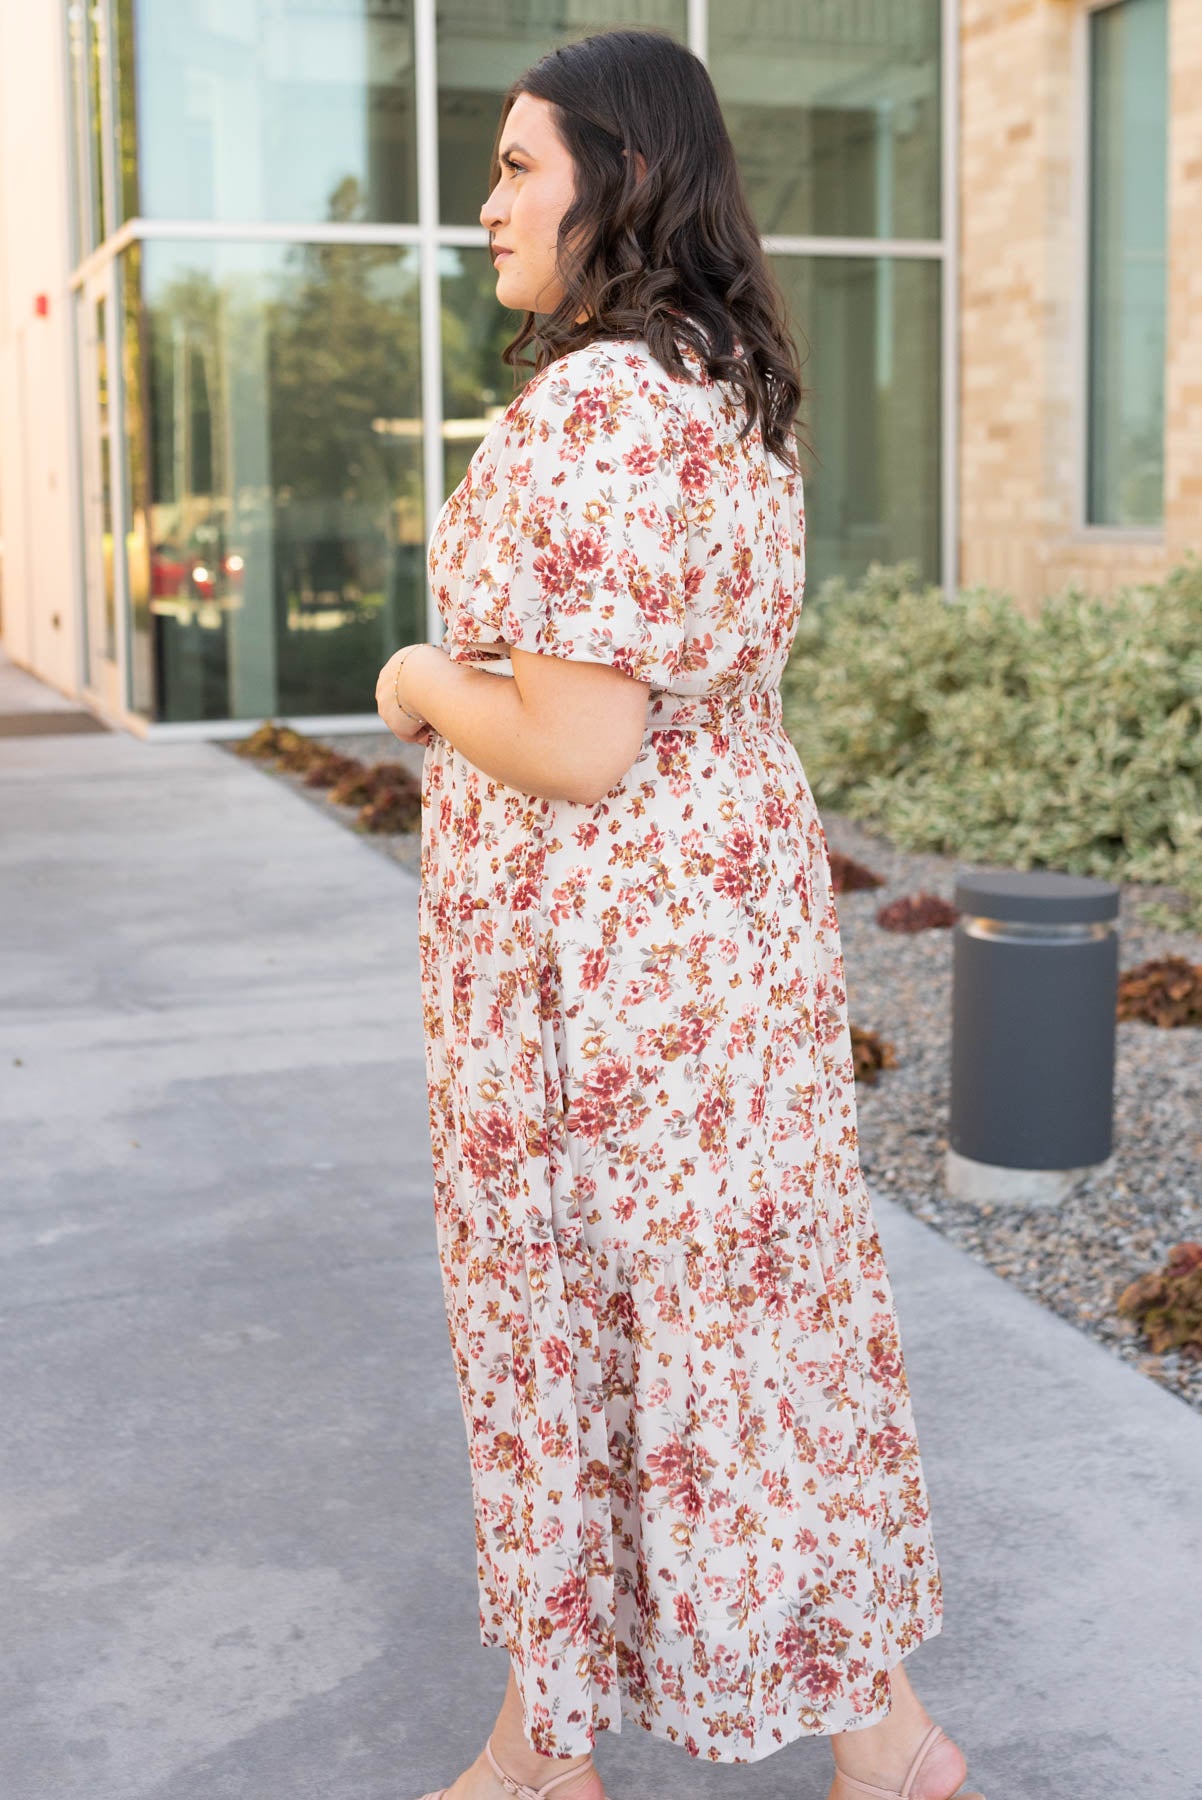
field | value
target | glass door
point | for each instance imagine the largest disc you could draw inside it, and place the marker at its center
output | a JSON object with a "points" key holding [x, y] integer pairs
{"points": [[103, 558]]}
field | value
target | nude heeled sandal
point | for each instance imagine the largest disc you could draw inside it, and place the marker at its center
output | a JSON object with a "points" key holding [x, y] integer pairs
{"points": [[904, 1792], [518, 1788]]}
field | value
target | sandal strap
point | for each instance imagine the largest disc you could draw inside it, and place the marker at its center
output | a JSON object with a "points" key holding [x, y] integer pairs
{"points": [[518, 1788], [902, 1793], [928, 1742]]}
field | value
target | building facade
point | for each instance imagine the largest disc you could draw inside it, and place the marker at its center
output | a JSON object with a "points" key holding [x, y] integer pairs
{"points": [[1080, 293], [248, 337]]}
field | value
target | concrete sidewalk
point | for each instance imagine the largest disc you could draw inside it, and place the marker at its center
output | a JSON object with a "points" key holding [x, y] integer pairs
{"points": [[31, 708], [237, 1550]]}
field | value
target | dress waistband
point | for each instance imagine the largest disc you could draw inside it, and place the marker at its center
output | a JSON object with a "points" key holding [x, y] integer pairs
{"points": [[684, 712], [713, 712]]}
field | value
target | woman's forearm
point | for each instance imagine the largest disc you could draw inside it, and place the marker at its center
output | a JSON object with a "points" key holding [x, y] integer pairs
{"points": [[484, 717]]}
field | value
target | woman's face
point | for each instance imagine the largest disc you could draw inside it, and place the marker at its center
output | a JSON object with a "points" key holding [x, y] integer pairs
{"points": [[522, 213]]}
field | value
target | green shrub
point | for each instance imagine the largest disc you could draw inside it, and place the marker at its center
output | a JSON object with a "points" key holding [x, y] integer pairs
{"points": [[1072, 741]]}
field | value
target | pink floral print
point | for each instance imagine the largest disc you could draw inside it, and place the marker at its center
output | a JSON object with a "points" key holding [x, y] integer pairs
{"points": [[698, 1497]]}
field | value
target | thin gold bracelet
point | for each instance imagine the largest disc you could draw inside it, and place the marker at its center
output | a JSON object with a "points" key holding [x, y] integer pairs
{"points": [[396, 688]]}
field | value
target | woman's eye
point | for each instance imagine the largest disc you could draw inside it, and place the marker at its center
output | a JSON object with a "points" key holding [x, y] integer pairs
{"points": [[515, 168]]}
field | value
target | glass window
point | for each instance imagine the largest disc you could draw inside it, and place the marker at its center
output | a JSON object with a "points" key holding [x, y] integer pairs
{"points": [[275, 456], [83, 241], [482, 48], [476, 385], [1127, 287], [97, 78], [872, 326], [134, 359], [834, 113], [280, 111], [125, 102], [108, 646], [96, 487], [88, 71], [873, 331]]}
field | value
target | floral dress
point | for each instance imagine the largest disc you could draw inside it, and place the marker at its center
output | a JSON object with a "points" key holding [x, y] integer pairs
{"points": [[698, 1498]]}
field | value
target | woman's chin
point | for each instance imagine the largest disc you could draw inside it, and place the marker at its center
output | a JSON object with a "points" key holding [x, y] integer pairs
{"points": [[515, 294]]}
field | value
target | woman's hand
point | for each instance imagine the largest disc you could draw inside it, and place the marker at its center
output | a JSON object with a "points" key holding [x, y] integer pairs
{"points": [[409, 731]]}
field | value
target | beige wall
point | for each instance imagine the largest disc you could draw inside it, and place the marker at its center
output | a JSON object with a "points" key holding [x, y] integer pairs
{"points": [[40, 619], [1022, 304]]}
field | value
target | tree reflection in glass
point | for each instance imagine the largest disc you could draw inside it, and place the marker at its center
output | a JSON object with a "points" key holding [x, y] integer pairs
{"points": [[285, 507]]}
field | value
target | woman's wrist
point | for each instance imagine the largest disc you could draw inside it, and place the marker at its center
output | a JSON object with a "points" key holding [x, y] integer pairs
{"points": [[416, 717]]}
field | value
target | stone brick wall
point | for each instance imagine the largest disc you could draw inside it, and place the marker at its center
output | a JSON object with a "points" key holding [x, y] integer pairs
{"points": [[1022, 151]]}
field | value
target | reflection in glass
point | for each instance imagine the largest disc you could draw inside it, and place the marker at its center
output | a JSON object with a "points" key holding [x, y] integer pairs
{"points": [[97, 76], [277, 111], [834, 113], [81, 137], [278, 483], [1128, 226], [134, 359], [873, 417], [104, 418], [84, 515], [872, 325], [483, 47], [476, 385], [125, 103]]}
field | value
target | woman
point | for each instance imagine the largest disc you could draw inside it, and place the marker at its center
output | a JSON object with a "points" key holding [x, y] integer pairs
{"points": [[698, 1497]]}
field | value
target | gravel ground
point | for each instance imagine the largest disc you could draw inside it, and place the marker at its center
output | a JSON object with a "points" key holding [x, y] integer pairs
{"points": [[1117, 1223]]}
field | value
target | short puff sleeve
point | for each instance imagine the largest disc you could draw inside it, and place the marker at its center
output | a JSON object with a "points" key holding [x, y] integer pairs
{"points": [[576, 531]]}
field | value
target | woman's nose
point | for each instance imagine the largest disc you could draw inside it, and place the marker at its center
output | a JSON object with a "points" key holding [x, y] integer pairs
{"points": [[490, 212]]}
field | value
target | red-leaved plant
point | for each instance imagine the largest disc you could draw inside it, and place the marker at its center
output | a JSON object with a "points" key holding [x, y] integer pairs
{"points": [[1167, 1303], [917, 912]]}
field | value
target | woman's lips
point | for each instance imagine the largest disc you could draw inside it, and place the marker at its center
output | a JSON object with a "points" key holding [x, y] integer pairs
{"points": [[498, 254]]}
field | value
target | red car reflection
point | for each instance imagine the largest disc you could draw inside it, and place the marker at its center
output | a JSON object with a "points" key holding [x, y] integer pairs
{"points": [[175, 573]]}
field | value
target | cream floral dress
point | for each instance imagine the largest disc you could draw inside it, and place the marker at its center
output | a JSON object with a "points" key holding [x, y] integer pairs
{"points": [[698, 1496]]}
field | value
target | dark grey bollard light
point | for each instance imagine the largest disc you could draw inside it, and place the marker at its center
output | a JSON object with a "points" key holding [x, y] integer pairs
{"points": [[1034, 992]]}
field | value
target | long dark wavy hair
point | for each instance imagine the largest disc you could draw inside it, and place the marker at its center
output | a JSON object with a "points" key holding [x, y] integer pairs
{"points": [[674, 255]]}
